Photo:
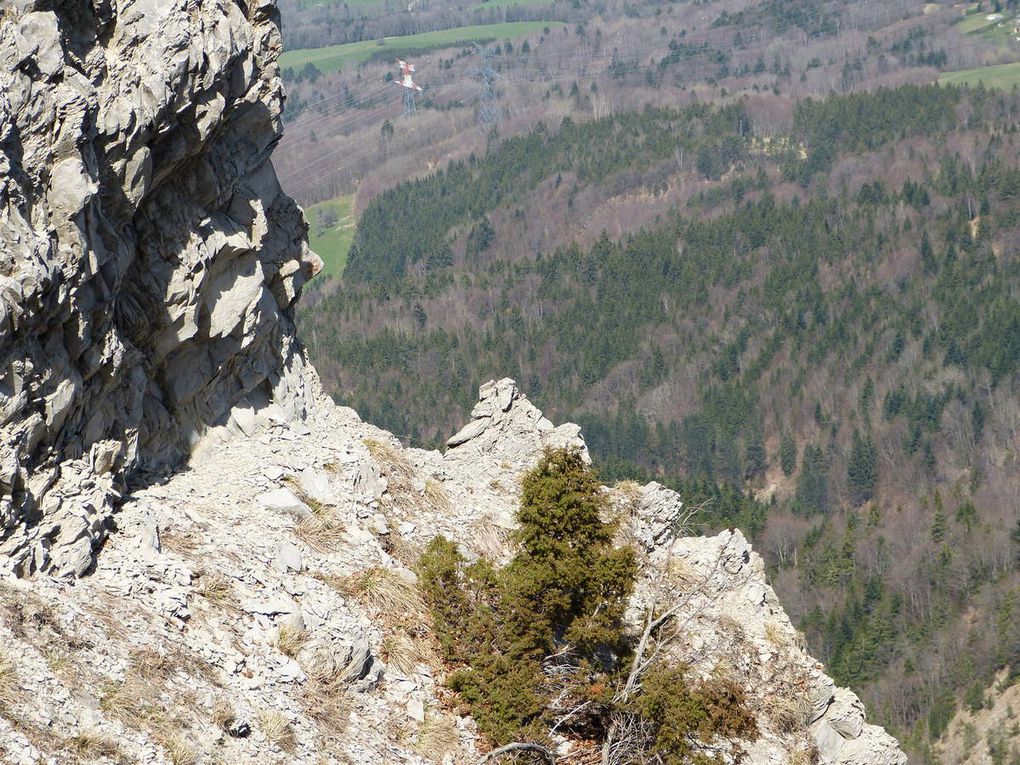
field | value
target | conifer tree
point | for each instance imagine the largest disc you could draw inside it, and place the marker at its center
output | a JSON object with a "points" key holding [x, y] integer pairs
{"points": [[787, 453], [813, 483], [862, 469], [755, 457]]}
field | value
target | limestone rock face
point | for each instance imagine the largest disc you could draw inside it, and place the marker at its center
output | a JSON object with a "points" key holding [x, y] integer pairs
{"points": [[148, 259], [505, 422], [721, 586]]}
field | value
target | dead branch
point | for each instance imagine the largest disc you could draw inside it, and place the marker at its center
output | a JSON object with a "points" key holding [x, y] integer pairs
{"points": [[541, 751], [646, 654]]}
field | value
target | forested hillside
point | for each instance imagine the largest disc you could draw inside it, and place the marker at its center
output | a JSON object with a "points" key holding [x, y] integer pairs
{"points": [[819, 307]]}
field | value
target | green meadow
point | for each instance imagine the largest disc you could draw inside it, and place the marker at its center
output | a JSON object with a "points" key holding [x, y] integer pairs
{"points": [[1003, 76], [974, 22], [332, 242], [336, 57]]}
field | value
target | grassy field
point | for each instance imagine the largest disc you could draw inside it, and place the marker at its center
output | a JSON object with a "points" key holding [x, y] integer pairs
{"points": [[306, 4], [332, 243], [1003, 76], [336, 57], [974, 22], [510, 4]]}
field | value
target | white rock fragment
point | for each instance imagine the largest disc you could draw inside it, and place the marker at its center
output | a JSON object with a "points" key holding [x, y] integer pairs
{"points": [[288, 558], [283, 500]]}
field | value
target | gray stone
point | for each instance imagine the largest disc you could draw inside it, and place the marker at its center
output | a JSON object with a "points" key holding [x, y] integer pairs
{"points": [[470, 431], [316, 484], [283, 501], [367, 483], [846, 714], [416, 710], [288, 558]]}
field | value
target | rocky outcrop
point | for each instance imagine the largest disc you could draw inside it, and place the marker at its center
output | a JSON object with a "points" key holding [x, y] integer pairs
{"points": [[721, 586], [505, 422], [149, 258], [273, 579]]}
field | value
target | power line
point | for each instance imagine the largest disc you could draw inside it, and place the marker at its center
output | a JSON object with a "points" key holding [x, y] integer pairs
{"points": [[620, 64]]}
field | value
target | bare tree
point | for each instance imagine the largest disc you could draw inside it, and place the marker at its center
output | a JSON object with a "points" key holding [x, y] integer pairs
{"points": [[629, 734]]}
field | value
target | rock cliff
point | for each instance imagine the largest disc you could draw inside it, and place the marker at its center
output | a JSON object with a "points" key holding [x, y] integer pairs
{"points": [[248, 544], [149, 258]]}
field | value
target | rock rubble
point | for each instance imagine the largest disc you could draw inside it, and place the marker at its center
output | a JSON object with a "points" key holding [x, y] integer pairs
{"points": [[274, 575]]}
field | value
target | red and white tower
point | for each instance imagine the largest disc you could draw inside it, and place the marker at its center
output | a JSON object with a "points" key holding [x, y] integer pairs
{"points": [[410, 88]]}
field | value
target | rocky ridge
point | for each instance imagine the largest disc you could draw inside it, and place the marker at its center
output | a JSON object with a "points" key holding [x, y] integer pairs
{"points": [[260, 606]]}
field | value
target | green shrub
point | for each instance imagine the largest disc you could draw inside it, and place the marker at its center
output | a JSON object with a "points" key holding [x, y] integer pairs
{"points": [[688, 717], [550, 624], [563, 593]]}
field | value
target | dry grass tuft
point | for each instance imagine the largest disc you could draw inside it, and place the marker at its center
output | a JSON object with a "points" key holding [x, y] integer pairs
{"points": [[90, 745], [395, 601], [217, 589], [390, 458], [154, 698], [290, 639], [132, 702], [333, 581], [437, 738], [803, 757], [404, 653], [322, 532], [400, 473], [403, 549], [625, 504], [683, 573], [152, 664], [630, 493], [386, 594], [725, 671], [9, 689], [774, 634], [223, 715], [277, 730], [435, 495], [30, 614], [327, 701], [104, 607], [179, 750], [788, 714], [183, 543], [491, 541], [57, 661]]}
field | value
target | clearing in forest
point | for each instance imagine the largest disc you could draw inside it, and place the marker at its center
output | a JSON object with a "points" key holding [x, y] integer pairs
{"points": [[331, 227], [1004, 76]]}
